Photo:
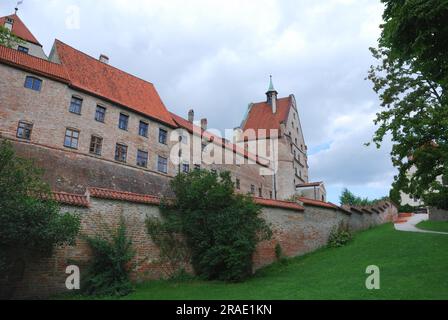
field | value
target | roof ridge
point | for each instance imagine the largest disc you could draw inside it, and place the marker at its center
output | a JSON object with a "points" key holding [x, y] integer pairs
{"points": [[263, 102], [123, 192], [105, 64]]}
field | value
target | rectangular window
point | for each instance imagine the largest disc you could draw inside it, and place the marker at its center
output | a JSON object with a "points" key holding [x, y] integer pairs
{"points": [[143, 129], [121, 152], [185, 168], [238, 184], [162, 164], [142, 159], [100, 114], [163, 136], [33, 83], [24, 130], [23, 49], [75, 105], [96, 145], [124, 121], [71, 138]]}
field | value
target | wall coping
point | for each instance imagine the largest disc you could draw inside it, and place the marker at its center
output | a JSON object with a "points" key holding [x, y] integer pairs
{"points": [[108, 194]]}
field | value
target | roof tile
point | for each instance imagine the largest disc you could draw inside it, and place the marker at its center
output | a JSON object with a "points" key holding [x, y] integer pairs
{"points": [[260, 116], [33, 64], [279, 204], [317, 203], [71, 199], [123, 196], [91, 75]]}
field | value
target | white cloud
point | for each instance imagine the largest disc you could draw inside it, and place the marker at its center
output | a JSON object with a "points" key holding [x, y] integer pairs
{"points": [[216, 56]]}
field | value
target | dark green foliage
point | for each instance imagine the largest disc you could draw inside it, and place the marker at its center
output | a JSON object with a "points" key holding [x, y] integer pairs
{"points": [[416, 30], [108, 274], [30, 222], [348, 198], [340, 236], [221, 228], [411, 79]]}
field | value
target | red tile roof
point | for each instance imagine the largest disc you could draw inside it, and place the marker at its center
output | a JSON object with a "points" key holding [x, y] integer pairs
{"points": [[89, 74], [33, 64], [261, 117], [279, 204], [317, 203], [123, 196], [190, 127], [71, 199], [20, 30]]}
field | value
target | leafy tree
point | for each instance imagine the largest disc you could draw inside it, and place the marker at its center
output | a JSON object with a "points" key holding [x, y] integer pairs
{"points": [[30, 222], [411, 80], [8, 39], [221, 228], [348, 198]]}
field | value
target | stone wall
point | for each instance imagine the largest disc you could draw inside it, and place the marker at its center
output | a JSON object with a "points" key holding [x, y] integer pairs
{"points": [[438, 214], [297, 231]]}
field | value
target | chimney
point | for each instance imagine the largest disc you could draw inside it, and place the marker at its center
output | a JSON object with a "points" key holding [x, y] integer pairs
{"points": [[204, 124], [191, 116], [237, 135], [104, 59], [9, 23], [274, 103]]}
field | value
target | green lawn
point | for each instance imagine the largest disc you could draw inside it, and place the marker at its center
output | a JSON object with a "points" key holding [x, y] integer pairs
{"points": [[441, 226], [413, 266]]}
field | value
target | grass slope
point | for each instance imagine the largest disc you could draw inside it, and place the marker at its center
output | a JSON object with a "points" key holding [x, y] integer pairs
{"points": [[441, 226], [413, 266]]}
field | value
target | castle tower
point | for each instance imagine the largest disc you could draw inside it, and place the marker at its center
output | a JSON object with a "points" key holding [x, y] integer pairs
{"points": [[272, 96]]}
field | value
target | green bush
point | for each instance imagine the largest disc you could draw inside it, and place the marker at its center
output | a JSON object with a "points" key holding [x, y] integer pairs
{"points": [[108, 274], [340, 236], [30, 222], [221, 228]]}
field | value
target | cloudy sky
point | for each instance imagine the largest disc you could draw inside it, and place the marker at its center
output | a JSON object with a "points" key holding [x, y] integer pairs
{"points": [[216, 57]]}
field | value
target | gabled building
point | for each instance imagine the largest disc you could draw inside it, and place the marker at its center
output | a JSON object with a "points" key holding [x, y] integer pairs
{"points": [[30, 44], [281, 115]]}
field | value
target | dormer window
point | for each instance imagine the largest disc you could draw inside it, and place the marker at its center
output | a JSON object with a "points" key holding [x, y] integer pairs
{"points": [[23, 49], [10, 20]]}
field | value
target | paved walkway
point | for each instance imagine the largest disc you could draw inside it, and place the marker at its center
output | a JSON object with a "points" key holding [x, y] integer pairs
{"points": [[410, 225]]}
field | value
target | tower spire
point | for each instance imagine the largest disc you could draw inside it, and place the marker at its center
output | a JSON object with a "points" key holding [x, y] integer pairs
{"points": [[271, 85], [272, 96]]}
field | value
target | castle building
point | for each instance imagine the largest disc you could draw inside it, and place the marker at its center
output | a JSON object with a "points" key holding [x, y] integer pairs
{"points": [[89, 124], [282, 116]]}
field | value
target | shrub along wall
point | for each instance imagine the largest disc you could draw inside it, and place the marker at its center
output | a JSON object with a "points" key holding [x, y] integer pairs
{"points": [[298, 228]]}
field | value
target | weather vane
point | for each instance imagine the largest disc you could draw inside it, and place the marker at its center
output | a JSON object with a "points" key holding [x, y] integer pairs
{"points": [[17, 5]]}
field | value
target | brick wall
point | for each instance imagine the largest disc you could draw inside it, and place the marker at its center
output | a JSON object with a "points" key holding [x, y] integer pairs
{"points": [[297, 232]]}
